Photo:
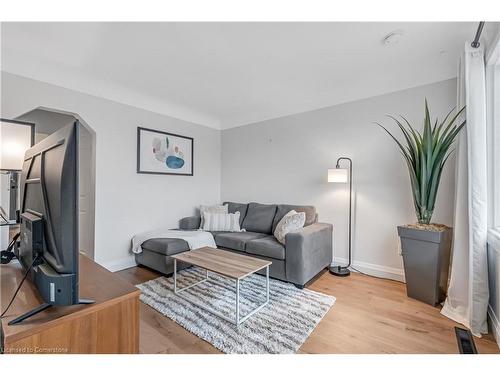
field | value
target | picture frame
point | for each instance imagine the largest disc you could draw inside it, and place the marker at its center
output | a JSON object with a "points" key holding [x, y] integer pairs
{"points": [[160, 152]]}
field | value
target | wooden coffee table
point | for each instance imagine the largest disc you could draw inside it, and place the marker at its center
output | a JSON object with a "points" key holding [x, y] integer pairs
{"points": [[225, 263]]}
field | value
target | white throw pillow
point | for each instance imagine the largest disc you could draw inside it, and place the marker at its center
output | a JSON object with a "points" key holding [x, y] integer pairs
{"points": [[218, 209], [291, 221], [221, 222]]}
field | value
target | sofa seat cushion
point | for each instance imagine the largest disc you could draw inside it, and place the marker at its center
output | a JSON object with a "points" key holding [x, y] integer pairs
{"points": [[283, 209], [259, 218], [266, 246], [165, 246], [236, 240]]}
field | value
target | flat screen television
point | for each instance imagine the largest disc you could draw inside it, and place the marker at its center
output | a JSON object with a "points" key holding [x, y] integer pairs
{"points": [[48, 242]]}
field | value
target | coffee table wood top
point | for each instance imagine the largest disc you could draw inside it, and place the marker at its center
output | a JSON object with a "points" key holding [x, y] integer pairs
{"points": [[223, 262]]}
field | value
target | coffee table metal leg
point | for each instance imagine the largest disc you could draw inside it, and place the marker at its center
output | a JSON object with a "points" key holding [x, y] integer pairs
{"points": [[237, 320], [176, 289], [175, 276], [237, 301], [258, 308], [267, 284]]}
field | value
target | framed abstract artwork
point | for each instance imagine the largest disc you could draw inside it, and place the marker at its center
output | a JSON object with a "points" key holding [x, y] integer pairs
{"points": [[164, 153]]}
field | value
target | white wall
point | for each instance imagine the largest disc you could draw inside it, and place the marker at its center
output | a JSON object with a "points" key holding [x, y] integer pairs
{"points": [[494, 287], [285, 160], [126, 202], [493, 119]]}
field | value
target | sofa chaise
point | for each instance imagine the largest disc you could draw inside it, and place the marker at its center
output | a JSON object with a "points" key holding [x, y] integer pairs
{"points": [[306, 251]]}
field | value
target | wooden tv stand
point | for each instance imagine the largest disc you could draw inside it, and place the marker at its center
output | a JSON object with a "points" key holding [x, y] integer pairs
{"points": [[110, 325]]}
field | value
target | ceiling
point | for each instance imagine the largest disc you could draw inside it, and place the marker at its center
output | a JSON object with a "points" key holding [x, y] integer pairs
{"points": [[230, 74]]}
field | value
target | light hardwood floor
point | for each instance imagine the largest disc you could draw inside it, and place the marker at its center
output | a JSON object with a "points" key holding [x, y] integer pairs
{"points": [[370, 316]]}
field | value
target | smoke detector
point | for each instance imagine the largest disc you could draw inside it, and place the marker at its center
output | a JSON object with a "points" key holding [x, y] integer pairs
{"points": [[393, 38]]}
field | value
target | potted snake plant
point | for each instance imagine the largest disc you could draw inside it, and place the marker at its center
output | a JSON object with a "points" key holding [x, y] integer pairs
{"points": [[426, 246]]}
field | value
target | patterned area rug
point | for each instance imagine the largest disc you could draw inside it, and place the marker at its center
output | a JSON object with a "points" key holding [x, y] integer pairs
{"points": [[281, 326]]}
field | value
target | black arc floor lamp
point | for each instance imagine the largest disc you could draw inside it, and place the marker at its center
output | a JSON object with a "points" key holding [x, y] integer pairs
{"points": [[340, 175]]}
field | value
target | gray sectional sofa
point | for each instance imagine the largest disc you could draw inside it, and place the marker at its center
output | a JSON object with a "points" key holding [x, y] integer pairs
{"points": [[306, 251]]}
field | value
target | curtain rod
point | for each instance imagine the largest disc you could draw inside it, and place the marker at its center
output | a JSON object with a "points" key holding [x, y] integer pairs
{"points": [[475, 43]]}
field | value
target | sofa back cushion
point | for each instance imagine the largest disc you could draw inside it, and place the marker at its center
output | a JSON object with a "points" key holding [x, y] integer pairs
{"points": [[237, 207], [259, 218], [283, 209]]}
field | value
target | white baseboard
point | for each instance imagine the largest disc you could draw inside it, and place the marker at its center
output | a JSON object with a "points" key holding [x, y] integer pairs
{"points": [[494, 324], [374, 269], [368, 268], [119, 264]]}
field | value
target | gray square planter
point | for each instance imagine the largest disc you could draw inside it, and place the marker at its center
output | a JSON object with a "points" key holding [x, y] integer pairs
{"points": [[426, 258]]}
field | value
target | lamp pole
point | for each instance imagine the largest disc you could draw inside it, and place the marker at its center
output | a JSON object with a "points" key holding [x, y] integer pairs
{"points": [[343, 271]]}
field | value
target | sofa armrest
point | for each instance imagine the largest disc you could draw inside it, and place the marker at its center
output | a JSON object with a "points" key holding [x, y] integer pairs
{"points": [[307, 251], [190, 223]]}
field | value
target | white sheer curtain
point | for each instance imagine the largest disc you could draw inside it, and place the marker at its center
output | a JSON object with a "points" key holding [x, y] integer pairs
{"points": [[467, 300]]}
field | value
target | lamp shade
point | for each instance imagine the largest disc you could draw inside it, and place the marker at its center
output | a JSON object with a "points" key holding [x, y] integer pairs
{"points": [[337, 175], [15, 139]]}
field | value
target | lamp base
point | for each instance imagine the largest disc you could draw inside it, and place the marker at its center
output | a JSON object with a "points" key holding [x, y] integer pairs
{"points": [[339, 271]]}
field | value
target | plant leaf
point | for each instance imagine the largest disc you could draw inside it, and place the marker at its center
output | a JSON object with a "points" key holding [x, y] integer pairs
{"points": [[425, 154]]}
